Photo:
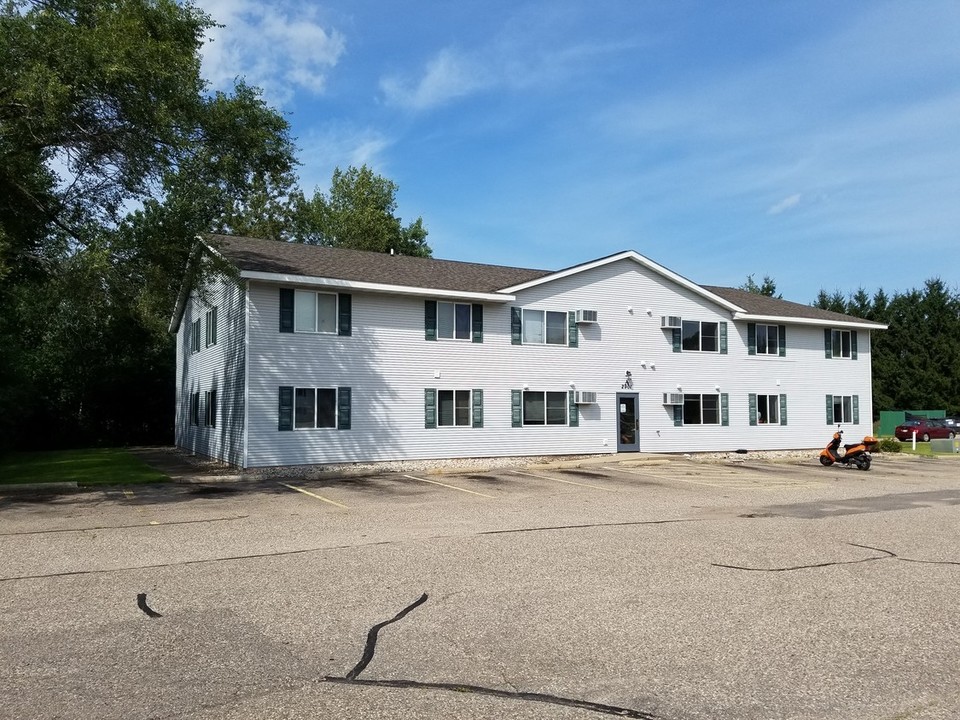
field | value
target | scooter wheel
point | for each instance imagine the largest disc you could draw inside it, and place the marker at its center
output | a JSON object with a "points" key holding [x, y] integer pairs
{"points": [[864, 464], [825, 461]]}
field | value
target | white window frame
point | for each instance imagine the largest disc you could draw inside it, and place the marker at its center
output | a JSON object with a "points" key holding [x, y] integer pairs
{"points": [[544, 314], [210, 408], [299, 424], [195, 336], [768, 406], [454, 395], [456, 333], [211, 327], [836, 344], [300, 297], [846, 409], [767, 330], [546, 409], [688, 397], [700, 336]]}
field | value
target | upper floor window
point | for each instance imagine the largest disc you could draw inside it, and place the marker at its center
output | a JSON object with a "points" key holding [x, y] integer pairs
{"points": [[840, 343], [454, 321], [700, 336], [544, 327], [195, 336], [314, 312], [211, 326], [768, 340]]}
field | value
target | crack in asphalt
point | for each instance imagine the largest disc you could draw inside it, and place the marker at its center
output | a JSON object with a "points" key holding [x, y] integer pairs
{"points": [[506, 694], [142, 604], [887, 555], [371, 647], [590, 525], [124, 527], [352, 678]]}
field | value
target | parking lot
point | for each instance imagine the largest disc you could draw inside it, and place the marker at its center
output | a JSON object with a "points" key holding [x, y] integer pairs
{"points": [[647, 588]]}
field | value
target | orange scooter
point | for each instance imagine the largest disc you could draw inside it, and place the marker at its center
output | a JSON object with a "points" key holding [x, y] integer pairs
{"points": [[856, 455]]}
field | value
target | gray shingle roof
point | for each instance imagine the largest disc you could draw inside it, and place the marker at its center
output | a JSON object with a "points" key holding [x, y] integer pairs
{"points": [[274, 256], [285, 258], [756, 304]]}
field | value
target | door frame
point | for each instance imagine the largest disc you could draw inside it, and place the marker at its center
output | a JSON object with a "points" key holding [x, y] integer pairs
{"points": [[635, 399]]}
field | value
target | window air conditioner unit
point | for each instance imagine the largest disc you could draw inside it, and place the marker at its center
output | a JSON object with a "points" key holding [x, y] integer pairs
{"points": [[582, 397], [586, 316], [670, 321], [673, 398]]}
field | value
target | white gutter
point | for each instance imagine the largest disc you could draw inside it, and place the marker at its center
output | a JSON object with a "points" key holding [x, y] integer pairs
{"points": [[375, 287], [780, 320]]}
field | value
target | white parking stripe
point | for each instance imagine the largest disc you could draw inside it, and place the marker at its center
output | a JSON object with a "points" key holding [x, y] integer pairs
{"points": [[451, 487]]}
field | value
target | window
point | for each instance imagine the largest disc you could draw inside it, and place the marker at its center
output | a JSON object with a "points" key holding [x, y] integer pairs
{"points": [[768, 406], [453, 321], [840, 341], [314, 312], [700, 336], [210, 408], [701, 409], [453, 408], [211, 327], [768, 340], [195, 408], [544, 327], [842, 408], [544, 408], [315, 408], [195, 336]]}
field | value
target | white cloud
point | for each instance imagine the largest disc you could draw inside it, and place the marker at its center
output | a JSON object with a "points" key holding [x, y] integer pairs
{"points": [[337, 146], [447, 76], [785, 204], [278, 47]]}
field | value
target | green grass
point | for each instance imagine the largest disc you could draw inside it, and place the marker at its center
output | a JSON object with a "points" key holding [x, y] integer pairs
{"points": [[108, 466]]}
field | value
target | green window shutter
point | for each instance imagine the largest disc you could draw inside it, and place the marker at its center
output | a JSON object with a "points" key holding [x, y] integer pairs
{"points": [[213, 326], [678, 415], [516, 408], [783, 340], [477, 319], [829, 409], [752, 397], [751, 338], [783, 409], [344, 314], [286, 408], [724, 409], [723, 338], [478, 408], [430, 408], [827, 343], [343, 408], [574, 414], [676, 339], [516, 326], [573, 339], [856, 409], [286, 310], [430, 319], [853, 344]]}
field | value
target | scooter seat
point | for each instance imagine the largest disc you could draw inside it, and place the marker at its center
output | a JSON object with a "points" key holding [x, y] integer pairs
{"points": [[852, 445]]}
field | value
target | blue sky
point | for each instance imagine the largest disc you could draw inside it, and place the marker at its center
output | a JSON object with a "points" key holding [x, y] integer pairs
{"points": [[815, 142]]}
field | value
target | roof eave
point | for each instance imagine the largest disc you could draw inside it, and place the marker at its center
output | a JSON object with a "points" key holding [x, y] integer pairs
{"points": [[823, 322], [290, 279]]}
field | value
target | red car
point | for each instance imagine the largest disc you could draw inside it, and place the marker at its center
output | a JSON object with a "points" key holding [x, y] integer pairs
{"points": [[925, 430]]}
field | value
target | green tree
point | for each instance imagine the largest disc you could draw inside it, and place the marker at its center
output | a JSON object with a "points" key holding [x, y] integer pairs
{"points": [[102, 108], [768, 287], [359, 213]]}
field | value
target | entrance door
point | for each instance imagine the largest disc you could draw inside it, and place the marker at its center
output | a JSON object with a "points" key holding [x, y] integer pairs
{"points": [[628, 436]]}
